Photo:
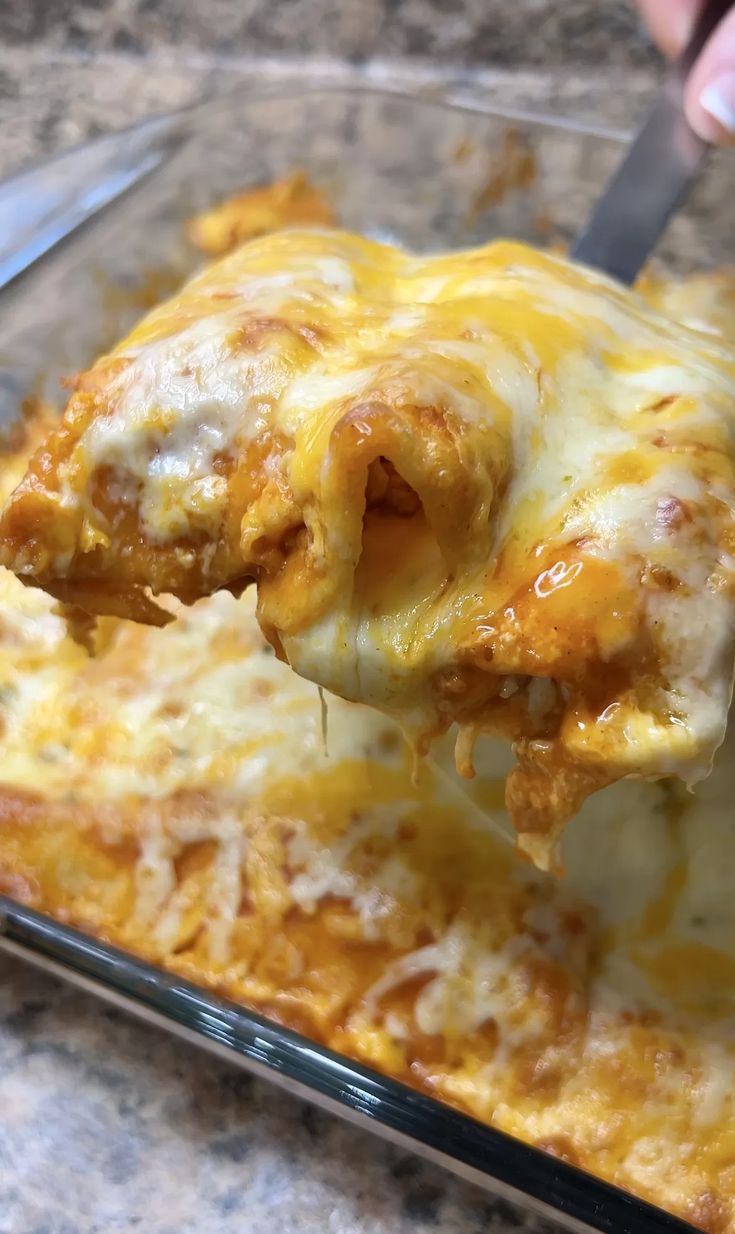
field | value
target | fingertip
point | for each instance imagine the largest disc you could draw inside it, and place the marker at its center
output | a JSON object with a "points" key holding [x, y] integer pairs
{"points": [[711, 111], [710, 90]]}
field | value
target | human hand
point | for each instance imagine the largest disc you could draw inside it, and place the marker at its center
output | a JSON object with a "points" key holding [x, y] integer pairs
{"points": [[710, 87]]}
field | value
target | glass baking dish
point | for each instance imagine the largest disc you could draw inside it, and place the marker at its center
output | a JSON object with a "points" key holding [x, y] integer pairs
{"points": [[103, 244]]}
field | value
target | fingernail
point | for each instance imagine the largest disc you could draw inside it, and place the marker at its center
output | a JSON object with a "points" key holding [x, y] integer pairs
{"points": [[718, 100]]}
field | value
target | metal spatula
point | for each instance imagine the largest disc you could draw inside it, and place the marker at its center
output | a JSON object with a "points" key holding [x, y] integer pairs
{"points": [[655, 175]]}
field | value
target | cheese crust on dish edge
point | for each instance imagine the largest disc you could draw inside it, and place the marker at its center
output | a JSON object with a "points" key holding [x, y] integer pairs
{"points": [[487, 488]]}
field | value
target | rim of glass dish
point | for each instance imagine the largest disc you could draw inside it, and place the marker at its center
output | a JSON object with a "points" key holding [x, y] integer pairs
{"points": [[455, 100], [272, 91], [482, 1154], [102, 171]]}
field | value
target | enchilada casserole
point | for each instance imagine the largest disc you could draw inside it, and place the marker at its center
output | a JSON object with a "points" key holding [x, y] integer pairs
{"points": [[183, 794]]}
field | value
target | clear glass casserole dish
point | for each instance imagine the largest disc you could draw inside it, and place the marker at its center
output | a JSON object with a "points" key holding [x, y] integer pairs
{"points": [[426, 175]]}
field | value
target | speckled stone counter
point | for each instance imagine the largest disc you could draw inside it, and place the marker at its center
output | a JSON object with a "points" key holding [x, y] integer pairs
{"points": [[72, 68], [108, 1125], [105, 1124], [471, 32]]}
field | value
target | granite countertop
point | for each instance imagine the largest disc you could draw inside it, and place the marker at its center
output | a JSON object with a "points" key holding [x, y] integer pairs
{"points": [[75, 68], [108, 1124]]}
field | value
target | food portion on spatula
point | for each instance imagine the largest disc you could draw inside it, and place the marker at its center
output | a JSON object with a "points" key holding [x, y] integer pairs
{"points": [[490, 488]]}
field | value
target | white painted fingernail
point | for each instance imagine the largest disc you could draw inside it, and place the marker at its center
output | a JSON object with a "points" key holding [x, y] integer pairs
{"points": [[718, 100]]}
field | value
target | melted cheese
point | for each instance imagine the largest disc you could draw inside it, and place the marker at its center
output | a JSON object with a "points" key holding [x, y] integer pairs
{"points": [[290, 202], [486, 487]]}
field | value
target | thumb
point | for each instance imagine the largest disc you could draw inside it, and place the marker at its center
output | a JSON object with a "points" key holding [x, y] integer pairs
{"points": [[710, 89]]}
